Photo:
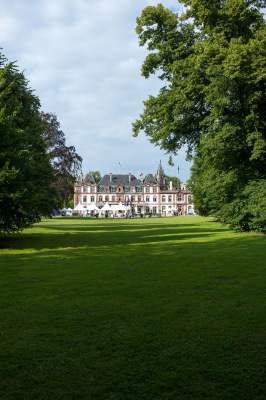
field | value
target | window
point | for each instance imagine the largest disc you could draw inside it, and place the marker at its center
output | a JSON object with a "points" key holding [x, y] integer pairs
{"points": [[84, 199], [106, 198], [154, 210], [169, 199], [147, 190], [154, 190], [147, 199], [132, 198], [163, 199], [154, 199], [92, 199], [189, 199], [179, 198], [100, 198], [113, 198], [139, 198]]}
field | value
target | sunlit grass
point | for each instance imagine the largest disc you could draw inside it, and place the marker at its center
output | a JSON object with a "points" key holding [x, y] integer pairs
{"points": [[170, 308]]}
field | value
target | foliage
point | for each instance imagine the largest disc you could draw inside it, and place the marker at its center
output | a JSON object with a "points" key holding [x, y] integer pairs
{"points": [[212, 62], [65, 161], [248, 212], [95, 174], [25, 172], [175, 181]]}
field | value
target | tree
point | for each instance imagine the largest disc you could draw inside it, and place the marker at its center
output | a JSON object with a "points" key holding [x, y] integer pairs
{"points": [[25, 171], [175, 181], [65, 161], [96, 175], [211, 61]]}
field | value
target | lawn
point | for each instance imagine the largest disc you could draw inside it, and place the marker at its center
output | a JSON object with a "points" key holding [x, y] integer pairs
{"points": [[154, 309]]}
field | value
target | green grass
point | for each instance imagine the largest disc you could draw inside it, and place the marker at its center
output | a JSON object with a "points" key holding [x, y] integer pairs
{"points": [[154, 309]]}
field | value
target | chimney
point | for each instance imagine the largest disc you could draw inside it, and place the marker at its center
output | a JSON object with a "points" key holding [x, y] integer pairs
{"points": [[171, 185], [110, 175], [129, 178]]}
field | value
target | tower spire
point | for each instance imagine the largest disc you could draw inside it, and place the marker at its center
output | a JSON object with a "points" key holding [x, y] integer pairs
{"points": [[160, 170], [160, 175]]}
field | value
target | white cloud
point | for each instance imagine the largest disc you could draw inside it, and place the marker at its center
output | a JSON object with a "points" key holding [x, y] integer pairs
{"points": [[82, 58]]}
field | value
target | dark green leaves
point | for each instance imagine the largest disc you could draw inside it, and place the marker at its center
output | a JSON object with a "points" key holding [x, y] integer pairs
{"points": [[212, 61]]}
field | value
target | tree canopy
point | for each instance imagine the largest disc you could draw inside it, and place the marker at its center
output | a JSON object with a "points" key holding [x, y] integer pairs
{"points": [[96, 175], [25, 171], [65, 161], [212, 64], [37, 169], [175, 181]]}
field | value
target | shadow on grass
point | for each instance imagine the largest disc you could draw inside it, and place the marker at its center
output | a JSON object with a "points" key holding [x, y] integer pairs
{"points": [[164, 313], [56, 235]]}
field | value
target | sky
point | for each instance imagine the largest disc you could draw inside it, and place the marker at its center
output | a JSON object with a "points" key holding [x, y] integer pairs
{"points": [[83, 60]]}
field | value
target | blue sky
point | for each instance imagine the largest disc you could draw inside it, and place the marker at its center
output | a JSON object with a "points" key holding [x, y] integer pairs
{"points": [[83, 60]]}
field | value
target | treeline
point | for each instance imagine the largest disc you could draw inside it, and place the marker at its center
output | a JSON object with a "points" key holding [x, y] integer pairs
{"points": [[37, 168], [212, 62]]}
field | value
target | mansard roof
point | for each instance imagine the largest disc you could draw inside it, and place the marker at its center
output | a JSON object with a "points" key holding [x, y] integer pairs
{"points": [[89, 179], [150, 180], [119, 179]]}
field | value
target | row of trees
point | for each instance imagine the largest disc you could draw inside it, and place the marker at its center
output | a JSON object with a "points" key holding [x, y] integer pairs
{"points": [[212, 63], [37, 168]]}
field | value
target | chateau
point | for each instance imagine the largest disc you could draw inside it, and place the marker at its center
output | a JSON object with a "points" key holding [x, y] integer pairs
{"points": [[148, 195]]}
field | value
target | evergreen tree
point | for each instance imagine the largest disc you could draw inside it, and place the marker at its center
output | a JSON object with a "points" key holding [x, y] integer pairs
{"points": [[25, 171]]}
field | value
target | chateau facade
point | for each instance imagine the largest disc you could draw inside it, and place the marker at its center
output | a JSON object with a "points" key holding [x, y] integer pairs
{"points": [[150, 195]]}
